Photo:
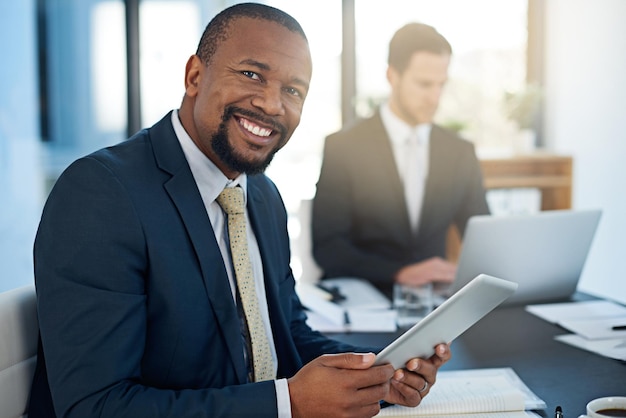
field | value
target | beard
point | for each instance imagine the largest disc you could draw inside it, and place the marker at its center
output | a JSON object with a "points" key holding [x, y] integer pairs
{"points": [[229, 156]]}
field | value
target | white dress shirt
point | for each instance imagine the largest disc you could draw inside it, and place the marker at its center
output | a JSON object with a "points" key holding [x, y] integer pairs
{"points": [[409, 161], [211, 181]]}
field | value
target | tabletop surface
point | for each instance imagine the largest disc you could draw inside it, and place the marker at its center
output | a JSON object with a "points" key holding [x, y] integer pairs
{"points": [[511, 337]]}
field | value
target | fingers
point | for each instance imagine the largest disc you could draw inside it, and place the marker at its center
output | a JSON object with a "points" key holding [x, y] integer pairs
{"points": [[348, 360], [428, 368], [410, 385], [441, 356], [420, 375], [352, 364], [406, 394], [443, 270], [434, 269], [339, 385], [405, 388]]}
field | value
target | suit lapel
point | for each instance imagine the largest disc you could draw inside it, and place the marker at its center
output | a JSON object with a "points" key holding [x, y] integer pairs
{"points": [[383, 152], [437, 170], [183, 191]]}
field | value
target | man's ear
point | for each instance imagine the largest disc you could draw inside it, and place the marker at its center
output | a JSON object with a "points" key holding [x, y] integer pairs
{"points": [[392, 75], [193, 73]]}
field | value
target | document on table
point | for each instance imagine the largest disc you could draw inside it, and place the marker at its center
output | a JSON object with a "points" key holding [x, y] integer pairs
{"points": [[557, 312], [614, 348], [353, 320], [597, 328], [474, 393], [326, 316], [598, 325]]}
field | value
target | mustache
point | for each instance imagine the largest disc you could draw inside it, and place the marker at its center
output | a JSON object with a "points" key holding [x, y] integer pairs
{"points": [[271, 122]]}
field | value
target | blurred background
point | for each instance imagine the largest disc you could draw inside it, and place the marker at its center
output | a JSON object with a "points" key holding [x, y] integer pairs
{"points": [[527, 76]]}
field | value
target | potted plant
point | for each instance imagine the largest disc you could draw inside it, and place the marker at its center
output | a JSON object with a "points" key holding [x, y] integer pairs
{"points": [[522, 107]]}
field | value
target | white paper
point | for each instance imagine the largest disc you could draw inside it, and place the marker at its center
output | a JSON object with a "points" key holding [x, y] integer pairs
{"points": [[596, 328], [611, 348], [320, 323], [365, 320], [513, 414], [483, 391], [330, 311], [358, 293], [357, 320], [556, 312], [326, 316]]}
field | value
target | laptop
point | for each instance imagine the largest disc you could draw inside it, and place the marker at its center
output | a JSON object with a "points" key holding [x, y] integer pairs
{"points": [[543, 252]]}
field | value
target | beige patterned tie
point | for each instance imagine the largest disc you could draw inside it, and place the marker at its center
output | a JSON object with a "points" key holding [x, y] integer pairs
{"points": [[231, 201]]}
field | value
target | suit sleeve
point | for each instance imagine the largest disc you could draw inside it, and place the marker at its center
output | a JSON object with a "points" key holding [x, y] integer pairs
{"points": [[91, 278], [474, 200]]}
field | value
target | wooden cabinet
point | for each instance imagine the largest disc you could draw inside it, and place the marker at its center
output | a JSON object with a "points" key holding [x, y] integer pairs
{"points": [[551, 174]]}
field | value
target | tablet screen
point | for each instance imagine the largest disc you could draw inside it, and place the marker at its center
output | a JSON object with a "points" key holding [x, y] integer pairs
{"points": [[453, 317]]}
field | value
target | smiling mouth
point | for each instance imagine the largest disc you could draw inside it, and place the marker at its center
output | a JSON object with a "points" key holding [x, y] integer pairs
{"points": [[254, 129]]}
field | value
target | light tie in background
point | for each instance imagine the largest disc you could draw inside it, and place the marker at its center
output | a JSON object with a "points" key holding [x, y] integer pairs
{"points": [[231, 201], [414, 176]]}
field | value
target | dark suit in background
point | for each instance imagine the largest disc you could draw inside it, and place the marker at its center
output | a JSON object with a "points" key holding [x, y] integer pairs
{"points": [[148, 326], [360, 221]]}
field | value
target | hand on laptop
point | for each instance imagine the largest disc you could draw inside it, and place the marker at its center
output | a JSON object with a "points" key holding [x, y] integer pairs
{"points": [[434, 269]]}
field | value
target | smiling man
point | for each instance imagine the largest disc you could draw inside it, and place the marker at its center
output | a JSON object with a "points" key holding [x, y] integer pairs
{"points": [[152, 303]]}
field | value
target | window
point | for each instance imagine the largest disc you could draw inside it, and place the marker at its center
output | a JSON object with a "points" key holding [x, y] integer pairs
{"points": [[488, 39]]}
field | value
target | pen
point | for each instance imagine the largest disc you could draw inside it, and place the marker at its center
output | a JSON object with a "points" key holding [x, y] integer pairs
{"points": [[558, 413], [619, 328]]}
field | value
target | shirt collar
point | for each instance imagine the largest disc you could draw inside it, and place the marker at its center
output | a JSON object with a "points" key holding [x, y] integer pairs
{"points": [[398, 130], [208, 176]]}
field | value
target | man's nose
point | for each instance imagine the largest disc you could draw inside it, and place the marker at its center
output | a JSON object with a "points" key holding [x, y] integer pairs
{"points": [[435, 95], [269, 100]]}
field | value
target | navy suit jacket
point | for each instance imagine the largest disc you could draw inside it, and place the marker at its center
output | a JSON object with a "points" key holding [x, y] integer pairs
{"points": [[360, 220], [136, 314]]}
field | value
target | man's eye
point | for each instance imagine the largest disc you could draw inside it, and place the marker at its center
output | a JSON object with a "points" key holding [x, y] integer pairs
{"points": [[294, 92], [251, 74]]}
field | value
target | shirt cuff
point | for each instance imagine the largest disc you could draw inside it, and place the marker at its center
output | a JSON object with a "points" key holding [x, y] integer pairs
{"points": [[282, 398]]}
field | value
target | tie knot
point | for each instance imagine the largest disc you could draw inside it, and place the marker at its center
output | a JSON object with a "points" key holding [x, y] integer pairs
{"points": [[413, 139], [231, 200], [418, 135]]}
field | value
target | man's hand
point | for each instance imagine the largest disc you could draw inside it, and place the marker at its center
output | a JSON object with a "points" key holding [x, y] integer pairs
{"points": [[410, 385], [434, 269], [344, 385]]}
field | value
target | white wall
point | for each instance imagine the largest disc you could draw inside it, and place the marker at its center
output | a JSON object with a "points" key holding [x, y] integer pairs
{"points": [[586, 118]]}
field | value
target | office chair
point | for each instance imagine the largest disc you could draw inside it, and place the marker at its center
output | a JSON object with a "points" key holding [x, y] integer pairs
{"points": [[18, 349]]}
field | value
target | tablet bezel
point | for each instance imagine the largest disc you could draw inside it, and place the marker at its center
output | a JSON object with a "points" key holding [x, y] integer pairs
{"points": [[449, 320]]}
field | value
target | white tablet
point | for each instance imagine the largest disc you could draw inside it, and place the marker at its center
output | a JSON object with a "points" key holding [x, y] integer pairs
{"points": [[453, 317]]}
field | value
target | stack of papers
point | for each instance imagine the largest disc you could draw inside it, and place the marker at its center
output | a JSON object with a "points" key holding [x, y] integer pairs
{"points": [[598, 326], [363, 309], [494, 393]]}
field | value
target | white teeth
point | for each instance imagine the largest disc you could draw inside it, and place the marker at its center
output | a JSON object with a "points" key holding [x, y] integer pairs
{"points": [[255, 129]]}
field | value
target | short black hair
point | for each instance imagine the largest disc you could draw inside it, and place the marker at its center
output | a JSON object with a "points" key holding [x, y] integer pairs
{"points": [[217, 31], [412, 38]]}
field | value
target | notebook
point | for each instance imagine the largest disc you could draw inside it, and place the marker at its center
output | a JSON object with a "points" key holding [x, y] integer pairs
{"points": [[494, 393], [543, 252]]}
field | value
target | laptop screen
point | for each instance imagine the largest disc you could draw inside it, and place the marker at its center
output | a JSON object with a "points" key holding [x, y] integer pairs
{"points": [[543, 252]]}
